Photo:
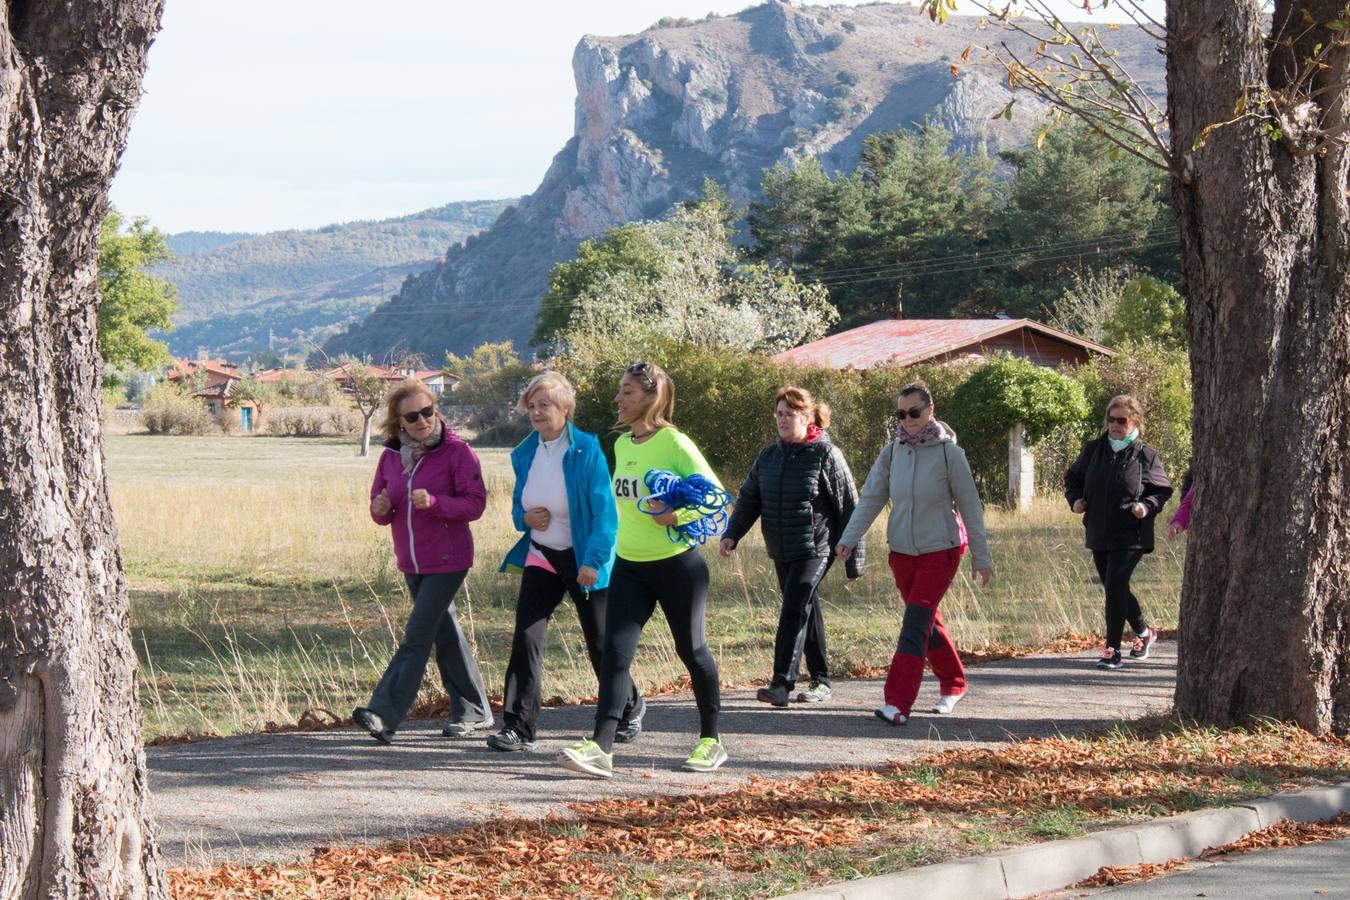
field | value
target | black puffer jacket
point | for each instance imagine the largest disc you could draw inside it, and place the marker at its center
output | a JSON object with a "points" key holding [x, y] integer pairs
{"points": [[803, 495], [1109, 483]]}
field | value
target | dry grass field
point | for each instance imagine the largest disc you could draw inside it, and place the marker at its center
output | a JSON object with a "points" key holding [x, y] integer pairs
{"points": [[262, 593]]}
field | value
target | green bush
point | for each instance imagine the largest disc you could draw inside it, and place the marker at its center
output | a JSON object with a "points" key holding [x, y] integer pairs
{"points": [[169, 411], [1160, 379], [1000, 394], [314, 421], [724, 402]]}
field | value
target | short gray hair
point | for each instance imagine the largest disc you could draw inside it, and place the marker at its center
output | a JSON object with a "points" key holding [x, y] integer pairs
{"points": [[556, 387]]}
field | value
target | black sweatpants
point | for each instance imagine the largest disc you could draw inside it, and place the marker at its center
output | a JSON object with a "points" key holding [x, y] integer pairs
{"points": [[801, 628], [1115, 568], [540, 593], [680, 585]]}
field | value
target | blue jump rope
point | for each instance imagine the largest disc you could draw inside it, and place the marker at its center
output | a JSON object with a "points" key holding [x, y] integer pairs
{"points": [[695, 492]]}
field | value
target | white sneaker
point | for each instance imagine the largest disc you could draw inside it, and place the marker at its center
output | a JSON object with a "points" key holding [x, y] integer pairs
{"points": [[891, 714], [946, 703]]}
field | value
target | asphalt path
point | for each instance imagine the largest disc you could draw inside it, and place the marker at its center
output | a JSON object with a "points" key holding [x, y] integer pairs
{"points": [[276, 796], [1313, 871]]}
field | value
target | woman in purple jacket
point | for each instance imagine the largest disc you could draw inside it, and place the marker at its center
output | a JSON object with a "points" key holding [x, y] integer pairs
{"points": [[428, 487]]}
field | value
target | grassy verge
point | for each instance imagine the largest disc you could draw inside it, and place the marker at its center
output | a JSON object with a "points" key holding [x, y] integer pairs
{"points": [[773, 837], [263, 595]]}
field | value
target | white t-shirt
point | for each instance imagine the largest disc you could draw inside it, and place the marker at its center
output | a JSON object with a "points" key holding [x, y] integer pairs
{"points": [[546, 487]]}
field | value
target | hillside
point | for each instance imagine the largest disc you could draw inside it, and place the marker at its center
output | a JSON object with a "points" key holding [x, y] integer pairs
{"points": [[721, 98], [303, 285]]}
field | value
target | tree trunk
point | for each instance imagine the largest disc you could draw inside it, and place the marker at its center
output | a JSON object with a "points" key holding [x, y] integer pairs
{"points": [[74, 819], [365, 432], [1264, 230]]}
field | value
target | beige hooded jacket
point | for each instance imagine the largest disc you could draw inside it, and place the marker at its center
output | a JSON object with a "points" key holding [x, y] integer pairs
{"points": [[922, 481]]}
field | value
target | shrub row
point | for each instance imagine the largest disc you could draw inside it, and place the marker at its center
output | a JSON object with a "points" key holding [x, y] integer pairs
{"points": [[725, 403]]}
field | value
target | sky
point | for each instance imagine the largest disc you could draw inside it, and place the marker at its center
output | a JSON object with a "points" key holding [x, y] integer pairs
{"points": [[267, 114]]}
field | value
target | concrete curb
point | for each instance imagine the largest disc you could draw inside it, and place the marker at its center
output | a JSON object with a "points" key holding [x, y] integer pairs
{"points": [[1057, 864]]}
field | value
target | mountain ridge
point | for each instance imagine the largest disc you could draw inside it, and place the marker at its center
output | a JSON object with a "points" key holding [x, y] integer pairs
{"points": [[721, 98]]}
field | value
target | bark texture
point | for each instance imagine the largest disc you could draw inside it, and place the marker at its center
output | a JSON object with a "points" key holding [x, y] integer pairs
{"points": [[73, 804], [1265, 237]]}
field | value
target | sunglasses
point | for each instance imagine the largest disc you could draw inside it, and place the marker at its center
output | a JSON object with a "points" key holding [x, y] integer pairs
{"points": [[426, 412], [902, 414], [1117, 420], [641, 373]]}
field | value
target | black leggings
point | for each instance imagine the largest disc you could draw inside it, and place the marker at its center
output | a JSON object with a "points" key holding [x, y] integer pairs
{"points": [[540, 593], [680, 585], [800, 625], [1115, 568]]}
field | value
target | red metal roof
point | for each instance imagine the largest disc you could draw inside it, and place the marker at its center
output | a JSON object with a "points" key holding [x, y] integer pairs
{"points": [[907, 342]]}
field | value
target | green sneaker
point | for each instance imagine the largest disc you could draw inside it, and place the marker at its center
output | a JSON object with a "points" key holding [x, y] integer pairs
{"points": [[708, 755], [588, 759]]}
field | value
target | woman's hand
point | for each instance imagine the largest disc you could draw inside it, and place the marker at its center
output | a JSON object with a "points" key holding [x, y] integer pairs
{"points": [[538, 518], [1139, 510], [421, 499], [843, 552], [985, 575], [1080, 505], [587, 576], [726, 547], [379, 504], [1173, 530], [666, 516]]}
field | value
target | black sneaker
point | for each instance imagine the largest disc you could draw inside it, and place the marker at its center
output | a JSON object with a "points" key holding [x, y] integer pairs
{"points": [[629, 731], [373, 724], [1110, 660], [508, 739], [774, 695]]}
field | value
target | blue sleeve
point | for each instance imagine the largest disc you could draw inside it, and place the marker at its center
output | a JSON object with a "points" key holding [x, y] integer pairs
{"points": [[599, 551], [517, 510]]}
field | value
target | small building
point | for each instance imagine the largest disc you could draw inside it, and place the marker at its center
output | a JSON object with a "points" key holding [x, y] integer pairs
{"points": [[217, 378], [908, 342]]}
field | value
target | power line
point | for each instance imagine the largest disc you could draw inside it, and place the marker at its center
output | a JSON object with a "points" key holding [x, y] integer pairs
{"points": [[1056, 251]]}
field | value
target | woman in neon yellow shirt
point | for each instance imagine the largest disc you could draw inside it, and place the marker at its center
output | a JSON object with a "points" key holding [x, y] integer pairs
{"points": [[652, 569]]}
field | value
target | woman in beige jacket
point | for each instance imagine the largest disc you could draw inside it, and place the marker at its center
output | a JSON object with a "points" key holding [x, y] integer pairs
{"points": [[924, 474]]}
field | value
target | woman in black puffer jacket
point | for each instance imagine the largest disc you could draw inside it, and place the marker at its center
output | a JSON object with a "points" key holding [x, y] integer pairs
{"points": [[801, 490], [1119, 486]]}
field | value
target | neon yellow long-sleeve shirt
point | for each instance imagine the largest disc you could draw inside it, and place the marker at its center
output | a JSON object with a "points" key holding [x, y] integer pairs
{"points": [[640, 538]]}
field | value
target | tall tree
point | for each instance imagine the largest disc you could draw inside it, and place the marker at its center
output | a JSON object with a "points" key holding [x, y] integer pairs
{"points": [[74, 818], [1265, 237], [1260, 168], [133, 300]]}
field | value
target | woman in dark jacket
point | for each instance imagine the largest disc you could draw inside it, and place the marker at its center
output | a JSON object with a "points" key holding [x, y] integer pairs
{"points": [[1119, 485], [801, 490]]}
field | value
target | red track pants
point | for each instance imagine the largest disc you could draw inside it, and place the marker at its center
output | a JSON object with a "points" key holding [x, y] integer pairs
{"points": [[923, 580]]}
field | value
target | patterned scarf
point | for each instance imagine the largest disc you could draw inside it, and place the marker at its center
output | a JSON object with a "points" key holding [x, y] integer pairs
{"points": [[927, 435], [411, 451]]}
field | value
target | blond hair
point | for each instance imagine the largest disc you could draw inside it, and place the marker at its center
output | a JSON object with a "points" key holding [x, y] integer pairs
{"points": [[802, 400], [659, 409], [1132, 408], [393, 422], [555, 386]]}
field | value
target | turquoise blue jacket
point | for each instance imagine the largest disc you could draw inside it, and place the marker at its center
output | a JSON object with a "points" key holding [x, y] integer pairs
{"points": [[590, 503]]}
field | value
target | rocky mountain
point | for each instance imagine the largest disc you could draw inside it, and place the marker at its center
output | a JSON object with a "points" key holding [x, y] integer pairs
{"points": [[721, 98], [237, 292]]}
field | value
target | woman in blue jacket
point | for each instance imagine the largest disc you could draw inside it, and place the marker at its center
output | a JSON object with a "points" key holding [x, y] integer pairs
{"points": [[564, 504]]}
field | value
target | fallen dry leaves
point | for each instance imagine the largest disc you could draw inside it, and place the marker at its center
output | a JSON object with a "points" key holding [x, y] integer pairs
{"points": [[673, 844]]}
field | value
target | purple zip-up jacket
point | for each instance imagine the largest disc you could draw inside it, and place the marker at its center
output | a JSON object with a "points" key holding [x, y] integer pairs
{"points": [[435, 539]]}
